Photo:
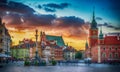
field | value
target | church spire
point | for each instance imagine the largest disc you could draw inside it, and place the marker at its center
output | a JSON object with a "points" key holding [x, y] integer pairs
{"points": [[93, 23], [101, 34], [86, 44], [93, 14]]}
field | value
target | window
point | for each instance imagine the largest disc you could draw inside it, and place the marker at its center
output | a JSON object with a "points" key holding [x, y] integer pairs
{"points": [[103, 48], [110, 48], [116, 55], [103, 55], [0, 31], [110, 56], [1, 40], [116, 49]]}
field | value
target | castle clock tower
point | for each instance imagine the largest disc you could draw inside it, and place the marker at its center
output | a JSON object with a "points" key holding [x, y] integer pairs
{"points": [[93, 34]]}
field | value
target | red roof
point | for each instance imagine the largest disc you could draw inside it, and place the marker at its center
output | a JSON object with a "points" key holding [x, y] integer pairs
{"points": [[112, 40]]}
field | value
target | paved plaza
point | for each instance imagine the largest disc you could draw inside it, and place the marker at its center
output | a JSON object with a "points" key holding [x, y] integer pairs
{"points": [[19, 67]]}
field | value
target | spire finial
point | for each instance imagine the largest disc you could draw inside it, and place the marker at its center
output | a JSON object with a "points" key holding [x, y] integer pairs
{"points": [[101, 34], [94, 23], [93, 12], [101, 29]]}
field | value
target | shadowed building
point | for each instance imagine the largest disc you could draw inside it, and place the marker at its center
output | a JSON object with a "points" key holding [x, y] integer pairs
{"points": [[5, 39]]}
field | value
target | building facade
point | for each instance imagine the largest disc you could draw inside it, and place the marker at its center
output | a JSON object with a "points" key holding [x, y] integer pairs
{"points": [[51, 46], [102, 48], [19, 53], [5, 39], [25, 49], [109, 47], [69, 53]]}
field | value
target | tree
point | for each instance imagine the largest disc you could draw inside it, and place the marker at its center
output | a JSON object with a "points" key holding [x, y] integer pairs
{"points": [[78, 55]]}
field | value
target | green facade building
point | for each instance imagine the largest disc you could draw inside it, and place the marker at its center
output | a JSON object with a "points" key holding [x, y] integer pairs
{"points": [[20, 53]]}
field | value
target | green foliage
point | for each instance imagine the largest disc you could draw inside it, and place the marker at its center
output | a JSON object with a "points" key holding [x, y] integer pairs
{"points": [[43, 63], [78, 55], [27, 63], [36, 63], [53, 62]]}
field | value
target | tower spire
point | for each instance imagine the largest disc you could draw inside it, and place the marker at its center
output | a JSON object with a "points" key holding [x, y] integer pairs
{"points": [[93, 23], [93, 13], [101, 34], [86, 44]]}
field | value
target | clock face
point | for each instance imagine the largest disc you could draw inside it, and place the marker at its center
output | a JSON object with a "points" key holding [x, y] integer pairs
{"points": [[94, 32]]}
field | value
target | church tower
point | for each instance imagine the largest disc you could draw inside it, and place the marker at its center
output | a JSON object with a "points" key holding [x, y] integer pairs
{"points": [[93, 32], [101, 38], [93, 37]]}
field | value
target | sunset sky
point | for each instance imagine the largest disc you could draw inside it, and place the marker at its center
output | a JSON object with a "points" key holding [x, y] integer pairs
{"points": [[69, 18]]}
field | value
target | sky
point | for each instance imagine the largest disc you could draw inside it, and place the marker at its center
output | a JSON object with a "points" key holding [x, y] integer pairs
{"points": [[68, 18]]}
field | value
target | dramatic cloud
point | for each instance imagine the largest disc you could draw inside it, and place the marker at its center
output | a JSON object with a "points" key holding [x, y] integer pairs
{"points": [[28, 20], [39, 6], [13, 18], [98, 18], [20, 19], [15, 7], [51, 7], [109, 26], [70, 21], [49, 10], [3, 1], [57, 6]]}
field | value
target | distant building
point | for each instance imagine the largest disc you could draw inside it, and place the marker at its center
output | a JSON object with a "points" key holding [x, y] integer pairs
{"points": [[69, 53], [109, 47], [102, 48], [52, 45], [25, 49], [19, 53], [5, 39]]}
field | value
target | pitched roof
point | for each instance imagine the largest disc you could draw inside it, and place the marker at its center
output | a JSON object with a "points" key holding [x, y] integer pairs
{"points": [[111, 40], [59, 39]]}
